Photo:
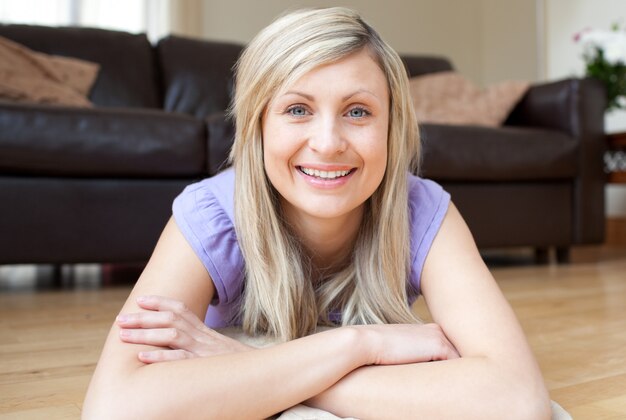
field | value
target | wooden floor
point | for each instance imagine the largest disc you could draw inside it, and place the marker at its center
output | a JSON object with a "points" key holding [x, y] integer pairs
{"points": [[574, 316]]}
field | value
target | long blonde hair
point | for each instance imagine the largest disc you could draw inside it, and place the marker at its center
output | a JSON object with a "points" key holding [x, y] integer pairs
{"points": [[280, 298]]}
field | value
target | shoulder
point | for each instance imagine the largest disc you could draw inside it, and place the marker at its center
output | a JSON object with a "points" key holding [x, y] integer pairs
{"points": [[210, 192], [428, 205], [204, 213], [425, 194]]}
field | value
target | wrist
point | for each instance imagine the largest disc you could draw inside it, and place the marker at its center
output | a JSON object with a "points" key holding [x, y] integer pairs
{"points": [[363, 344]]}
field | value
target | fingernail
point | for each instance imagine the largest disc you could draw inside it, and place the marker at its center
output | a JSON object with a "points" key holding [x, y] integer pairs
{"points": [[122, 318], [142, 298], [124, 333]]}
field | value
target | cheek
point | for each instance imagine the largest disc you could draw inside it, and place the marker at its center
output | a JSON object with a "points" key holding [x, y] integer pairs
{"points": [[271, 140], [375, 156], [374, 150], [281, 142], [279, 147]]}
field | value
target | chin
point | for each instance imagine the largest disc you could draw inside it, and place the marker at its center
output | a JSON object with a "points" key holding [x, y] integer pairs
{"points": [[328, 211]]}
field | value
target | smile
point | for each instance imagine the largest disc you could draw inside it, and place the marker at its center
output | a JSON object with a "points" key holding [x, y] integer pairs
{"points": [[324, 174]]}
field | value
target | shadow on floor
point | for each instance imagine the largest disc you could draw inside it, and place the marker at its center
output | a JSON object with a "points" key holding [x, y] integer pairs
{"points": [[94, 276], [30, 277]]}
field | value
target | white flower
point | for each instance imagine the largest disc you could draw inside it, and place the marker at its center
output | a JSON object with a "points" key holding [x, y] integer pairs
{"points": [[604, 54], [615, 48], [611, 43]]}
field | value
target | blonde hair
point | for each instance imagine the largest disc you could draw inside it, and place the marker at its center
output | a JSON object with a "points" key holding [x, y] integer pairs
{"points": [[280, 297]]}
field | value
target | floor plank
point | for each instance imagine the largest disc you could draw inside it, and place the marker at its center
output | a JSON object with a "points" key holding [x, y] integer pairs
{"points": [[574, 316]]}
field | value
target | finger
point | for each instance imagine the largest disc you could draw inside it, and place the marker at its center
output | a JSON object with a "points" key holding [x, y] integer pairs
{"points": [[443, 349], [160, 337], [157, 356], [150, 320], [161, 303], [454, 353]]}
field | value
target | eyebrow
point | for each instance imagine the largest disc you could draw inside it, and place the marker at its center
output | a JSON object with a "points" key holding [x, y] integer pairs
{"points": [[295, 92], [345, 98]]}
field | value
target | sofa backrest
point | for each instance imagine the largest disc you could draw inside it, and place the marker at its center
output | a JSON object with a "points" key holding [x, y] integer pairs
{"points": [[179, 74], [197, 75], [128, 76], [417, 65]]}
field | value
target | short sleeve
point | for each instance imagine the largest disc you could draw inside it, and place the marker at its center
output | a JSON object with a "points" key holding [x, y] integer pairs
{"points": [[428, 204], [203, 213]]}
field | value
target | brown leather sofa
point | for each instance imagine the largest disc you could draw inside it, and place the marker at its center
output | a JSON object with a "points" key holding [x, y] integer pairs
{"points": [[96, 184]]}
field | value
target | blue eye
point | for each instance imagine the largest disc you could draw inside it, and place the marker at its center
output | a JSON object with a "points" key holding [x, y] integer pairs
{"points": [[357, 113], [297, 111]]}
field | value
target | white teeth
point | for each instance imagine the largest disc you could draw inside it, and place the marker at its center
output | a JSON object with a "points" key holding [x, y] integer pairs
{"points": [[324, 174]]}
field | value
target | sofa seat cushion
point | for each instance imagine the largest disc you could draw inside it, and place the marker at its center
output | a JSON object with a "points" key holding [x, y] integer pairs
{"points": [[114, 142], [473, 153]]}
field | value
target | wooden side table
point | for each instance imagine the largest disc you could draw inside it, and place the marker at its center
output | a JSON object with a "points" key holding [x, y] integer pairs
{"points": [[615, 158], [615, 166]]}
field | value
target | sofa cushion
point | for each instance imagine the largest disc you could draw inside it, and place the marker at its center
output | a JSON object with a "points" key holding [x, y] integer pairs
{"points": [[89, 142], [473, 153], [127, 77], [29, 76], [450, 98], [220, 138], [197, 75]]}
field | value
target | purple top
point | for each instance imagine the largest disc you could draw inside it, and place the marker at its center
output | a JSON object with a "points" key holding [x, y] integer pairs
{"points": [[205, 215]]}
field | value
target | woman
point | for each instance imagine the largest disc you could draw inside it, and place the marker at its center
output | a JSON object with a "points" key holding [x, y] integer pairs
{"points": [[328, 228]]}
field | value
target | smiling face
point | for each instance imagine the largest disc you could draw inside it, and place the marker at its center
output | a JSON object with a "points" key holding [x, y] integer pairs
{"points": [[325, 138]]}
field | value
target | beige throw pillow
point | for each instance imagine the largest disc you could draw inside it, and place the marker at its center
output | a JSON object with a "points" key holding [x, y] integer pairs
{"points": [[449, 98], [29, 76]]}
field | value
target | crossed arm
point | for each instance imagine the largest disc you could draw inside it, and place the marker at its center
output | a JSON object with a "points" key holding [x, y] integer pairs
{"points": [[363, 371]]}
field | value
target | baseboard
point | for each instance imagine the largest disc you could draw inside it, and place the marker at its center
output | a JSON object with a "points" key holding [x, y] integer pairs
{"points": [[616, 231]]}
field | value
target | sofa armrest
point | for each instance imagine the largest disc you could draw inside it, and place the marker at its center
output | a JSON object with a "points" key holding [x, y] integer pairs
{"points": [[570, 105], [575, 107], [220, 137]]}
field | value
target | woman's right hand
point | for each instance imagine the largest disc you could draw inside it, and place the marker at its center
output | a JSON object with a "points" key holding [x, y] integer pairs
{"points": [[169, 324], [396, 344]]}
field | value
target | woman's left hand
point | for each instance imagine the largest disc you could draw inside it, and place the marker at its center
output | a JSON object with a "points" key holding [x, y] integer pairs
{"points": [[170, 324]]}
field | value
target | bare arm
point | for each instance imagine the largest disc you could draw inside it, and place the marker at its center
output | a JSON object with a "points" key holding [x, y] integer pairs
{"points": [[235, 385], [250, 384], [496, 376]]}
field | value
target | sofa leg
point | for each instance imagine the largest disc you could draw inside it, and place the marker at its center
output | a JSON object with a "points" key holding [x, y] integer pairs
{"points": [[542, 255], [62, 276], [563, 254], [57, 276]]}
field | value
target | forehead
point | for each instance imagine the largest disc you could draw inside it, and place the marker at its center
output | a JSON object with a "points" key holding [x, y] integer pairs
{"points": [[358, 70]]}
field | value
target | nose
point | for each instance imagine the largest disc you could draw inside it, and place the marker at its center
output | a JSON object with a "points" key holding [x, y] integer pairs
{"points": [[327, 137]]}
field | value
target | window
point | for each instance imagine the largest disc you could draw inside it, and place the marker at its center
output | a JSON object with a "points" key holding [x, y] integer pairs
{"points": [[149, 16]]}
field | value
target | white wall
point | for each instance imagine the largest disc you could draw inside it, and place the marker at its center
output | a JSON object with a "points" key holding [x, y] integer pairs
{"points": [[563, 19], [509, 40], [469, 32]]}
